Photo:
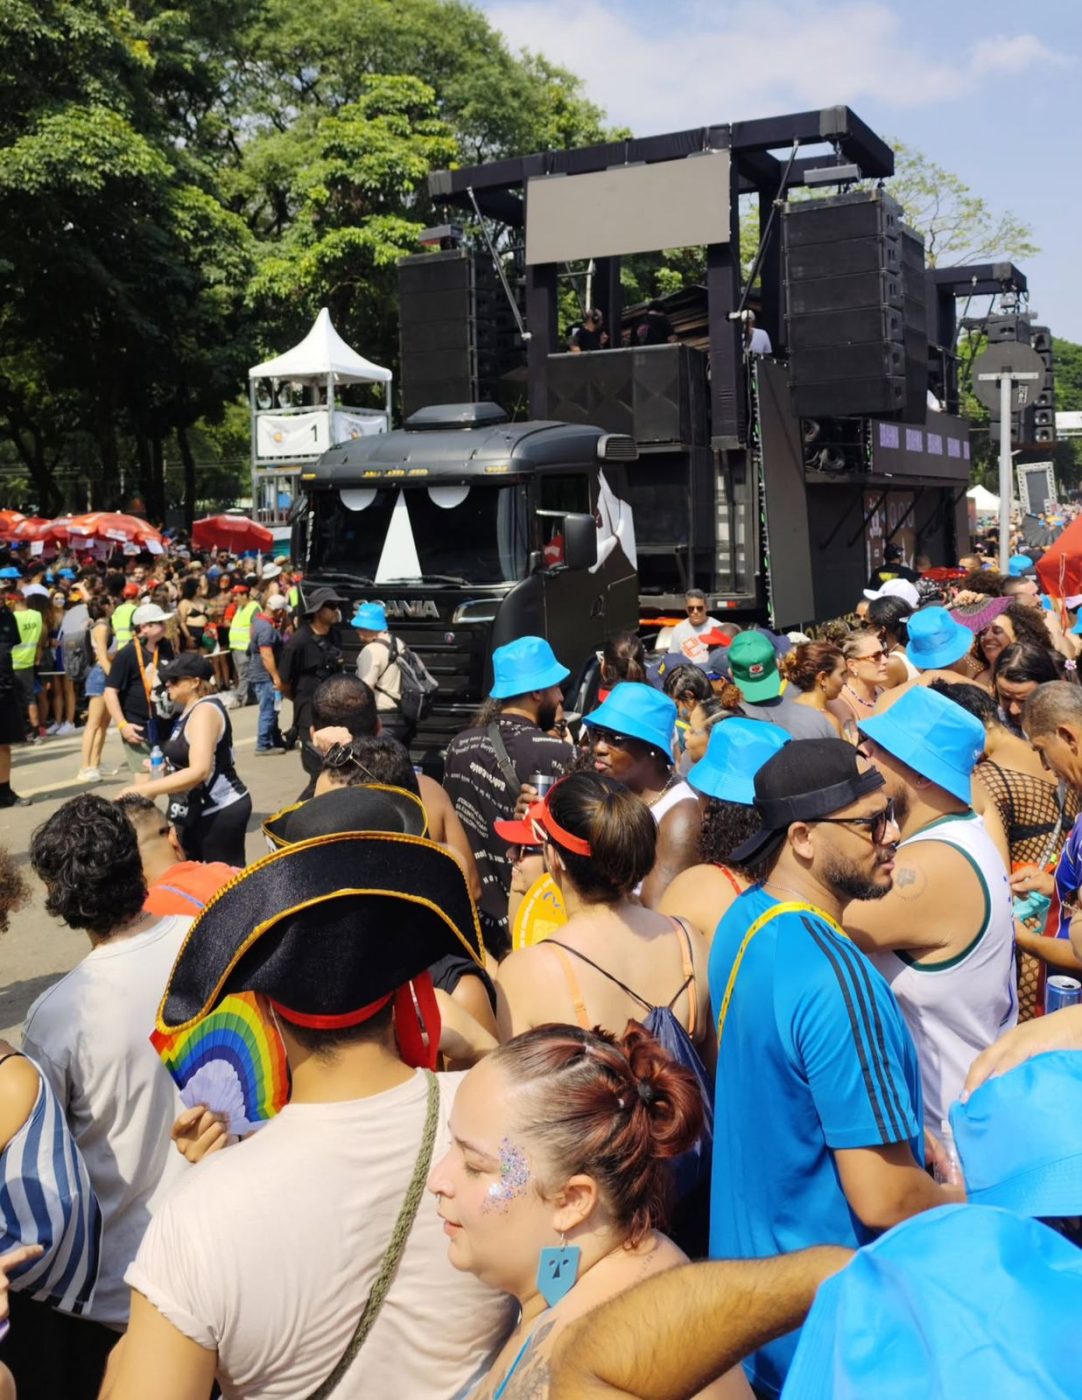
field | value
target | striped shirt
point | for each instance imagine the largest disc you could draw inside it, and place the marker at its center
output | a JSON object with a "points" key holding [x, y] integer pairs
{"points": [[46, 1198], [815, 1057]]}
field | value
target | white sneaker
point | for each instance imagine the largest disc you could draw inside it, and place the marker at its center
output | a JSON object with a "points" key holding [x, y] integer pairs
{"points": [[63, 730], [89, 775], [53, 728]]}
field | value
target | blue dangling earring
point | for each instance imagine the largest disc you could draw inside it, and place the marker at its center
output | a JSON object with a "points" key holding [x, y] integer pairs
{"points": [[558, 1271]]}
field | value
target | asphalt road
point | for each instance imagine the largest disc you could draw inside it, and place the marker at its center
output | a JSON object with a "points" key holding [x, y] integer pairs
{"points": [[37, 949]]}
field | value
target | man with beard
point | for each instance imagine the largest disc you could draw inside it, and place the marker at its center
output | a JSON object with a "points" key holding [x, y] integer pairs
{"points": [[943, 937], [506, 745], [817, 1136]]}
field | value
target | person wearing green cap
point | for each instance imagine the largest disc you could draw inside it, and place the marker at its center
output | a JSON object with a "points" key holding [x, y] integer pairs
{"points": [[754, 666]]}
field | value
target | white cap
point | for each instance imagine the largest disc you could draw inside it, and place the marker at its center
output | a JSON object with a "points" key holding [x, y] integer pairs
{"points": [[148, 612], [277, 603], [31, 590], [896, 588]]}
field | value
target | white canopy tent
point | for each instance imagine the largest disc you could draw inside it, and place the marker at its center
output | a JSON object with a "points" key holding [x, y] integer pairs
{"points": [[322, 353], [984, 502], [286, 434]]}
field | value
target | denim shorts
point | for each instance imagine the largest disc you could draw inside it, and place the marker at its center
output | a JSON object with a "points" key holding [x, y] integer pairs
{"points": [[95, 682]]}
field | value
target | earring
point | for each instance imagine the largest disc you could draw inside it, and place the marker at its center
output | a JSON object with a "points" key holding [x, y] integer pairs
{"points": [[558, 1271]]}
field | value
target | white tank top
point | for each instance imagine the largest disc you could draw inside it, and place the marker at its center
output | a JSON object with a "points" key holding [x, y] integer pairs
{"points": [[955, 1009], [679, 792]]}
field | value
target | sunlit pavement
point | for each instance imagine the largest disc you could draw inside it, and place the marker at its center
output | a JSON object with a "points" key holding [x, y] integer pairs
{"points": [[37, 949]]}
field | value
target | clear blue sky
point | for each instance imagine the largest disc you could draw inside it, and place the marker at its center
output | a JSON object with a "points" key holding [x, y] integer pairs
{"points": [[989, 90]]}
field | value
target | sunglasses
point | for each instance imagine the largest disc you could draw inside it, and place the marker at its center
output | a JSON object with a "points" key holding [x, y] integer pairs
{"points": [[875, 825], [872, 656], [519, 852], [608, 736], [696, 607]]}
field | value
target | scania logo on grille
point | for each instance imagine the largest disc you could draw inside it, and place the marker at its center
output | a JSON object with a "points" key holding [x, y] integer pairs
{"points": [[406, 607]]}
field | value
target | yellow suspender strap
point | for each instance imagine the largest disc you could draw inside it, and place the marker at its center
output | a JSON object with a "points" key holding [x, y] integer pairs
{"points": [[793, 907]]}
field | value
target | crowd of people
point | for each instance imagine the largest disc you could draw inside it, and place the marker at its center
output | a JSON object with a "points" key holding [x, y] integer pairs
{"points": [[767, 1105]]}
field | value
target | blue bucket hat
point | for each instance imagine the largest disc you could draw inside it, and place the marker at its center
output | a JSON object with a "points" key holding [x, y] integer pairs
{"points": [[935, 639], [1020, 1137], [933, 736], [11, 572], [67, 573], [528, 663], [1019, 565], [372, 617], [738, 748], [640, 711], [961, 1301]]}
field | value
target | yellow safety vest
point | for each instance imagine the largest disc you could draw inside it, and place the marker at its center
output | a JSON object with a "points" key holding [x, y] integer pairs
{"points": [[294, 597], [25, 654], [240, 629], [121, 623]]}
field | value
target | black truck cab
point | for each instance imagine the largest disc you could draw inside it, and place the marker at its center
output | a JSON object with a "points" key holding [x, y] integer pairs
{"points": [[471, 531]]}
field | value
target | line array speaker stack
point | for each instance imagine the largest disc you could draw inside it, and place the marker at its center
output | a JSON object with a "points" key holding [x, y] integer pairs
{"points": [[457, 335], [855, 309], [1034, 425], [1043, 429]]}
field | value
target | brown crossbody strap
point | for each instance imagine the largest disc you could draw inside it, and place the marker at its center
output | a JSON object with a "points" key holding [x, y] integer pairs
{"points": [[402, 1227]]}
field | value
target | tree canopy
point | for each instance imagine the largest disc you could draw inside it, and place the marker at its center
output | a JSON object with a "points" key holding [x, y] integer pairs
{"points": [[183, 185]]}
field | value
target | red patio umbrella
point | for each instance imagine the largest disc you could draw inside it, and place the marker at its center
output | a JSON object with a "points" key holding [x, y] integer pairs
{"points": [[8, 520], [37, 528], [233, 532], [113, 527], [1060, 567]]}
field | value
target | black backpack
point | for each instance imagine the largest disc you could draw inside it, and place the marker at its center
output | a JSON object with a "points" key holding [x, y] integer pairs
{"points": [[418, 685]]}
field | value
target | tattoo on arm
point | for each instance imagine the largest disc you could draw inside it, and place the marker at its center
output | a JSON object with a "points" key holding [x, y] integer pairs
{"points": [[908, 881]]}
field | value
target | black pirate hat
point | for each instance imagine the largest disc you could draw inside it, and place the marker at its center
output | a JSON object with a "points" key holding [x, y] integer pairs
{"points": [[366, 807], [329, 930]]}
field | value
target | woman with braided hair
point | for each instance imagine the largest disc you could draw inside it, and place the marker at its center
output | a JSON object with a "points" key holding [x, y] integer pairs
{"points": [[554, 1187]]}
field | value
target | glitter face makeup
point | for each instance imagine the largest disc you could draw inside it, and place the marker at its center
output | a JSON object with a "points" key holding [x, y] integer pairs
{"points": [[514, 1178]]}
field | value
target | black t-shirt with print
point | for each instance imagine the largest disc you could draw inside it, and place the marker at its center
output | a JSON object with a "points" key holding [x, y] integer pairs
{"points": [[124, 677], [482, 795]]}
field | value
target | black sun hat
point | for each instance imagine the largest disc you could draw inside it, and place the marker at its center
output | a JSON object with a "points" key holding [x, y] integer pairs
{"points": [[803, 781], [189, 665], [365, 807], [331, 930]]}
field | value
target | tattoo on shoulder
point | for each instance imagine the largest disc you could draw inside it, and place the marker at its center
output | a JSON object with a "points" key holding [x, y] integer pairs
{"points": [[533, 1373], [908, 881]]}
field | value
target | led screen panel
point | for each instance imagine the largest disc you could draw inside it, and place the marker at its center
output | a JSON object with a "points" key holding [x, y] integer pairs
{"points": [[628, 209]]}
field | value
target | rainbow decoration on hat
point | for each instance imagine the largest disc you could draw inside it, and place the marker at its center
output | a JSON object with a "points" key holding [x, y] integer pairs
{"points": [[233, 1061]]}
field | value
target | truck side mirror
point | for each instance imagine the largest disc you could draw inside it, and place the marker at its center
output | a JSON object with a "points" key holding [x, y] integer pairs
{"points": [[580, 541]]}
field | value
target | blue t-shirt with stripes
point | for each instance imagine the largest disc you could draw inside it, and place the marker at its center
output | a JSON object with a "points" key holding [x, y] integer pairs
{"points": [[46, 1198], [814, 1056]]}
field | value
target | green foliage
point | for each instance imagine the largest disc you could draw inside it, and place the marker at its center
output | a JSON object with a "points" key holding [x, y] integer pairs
{"points": [[182, 186], [958, 225]]}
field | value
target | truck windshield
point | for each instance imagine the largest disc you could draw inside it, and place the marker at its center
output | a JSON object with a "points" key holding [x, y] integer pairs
{"points": [[475, 531]]}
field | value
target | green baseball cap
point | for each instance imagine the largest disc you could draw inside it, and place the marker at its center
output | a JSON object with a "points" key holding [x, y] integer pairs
{"points": [[754, 665]]}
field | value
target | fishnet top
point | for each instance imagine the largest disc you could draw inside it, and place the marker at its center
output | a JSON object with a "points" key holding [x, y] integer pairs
{"points": [[1035, 824]]}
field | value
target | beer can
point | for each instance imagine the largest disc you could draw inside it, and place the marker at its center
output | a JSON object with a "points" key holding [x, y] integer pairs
{"points": [[1060, 992], [543, 782]]}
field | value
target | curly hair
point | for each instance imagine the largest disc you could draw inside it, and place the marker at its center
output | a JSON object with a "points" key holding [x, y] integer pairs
{"points": [[87, 857], [807, 661], [14, 891], [1028, 626], [725, 826]]}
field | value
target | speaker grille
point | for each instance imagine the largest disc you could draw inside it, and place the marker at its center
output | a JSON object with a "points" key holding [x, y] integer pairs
{"points": [[855, 309]]}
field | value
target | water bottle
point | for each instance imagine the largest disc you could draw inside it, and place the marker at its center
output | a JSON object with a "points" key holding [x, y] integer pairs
{"points": [[157, 763]]}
